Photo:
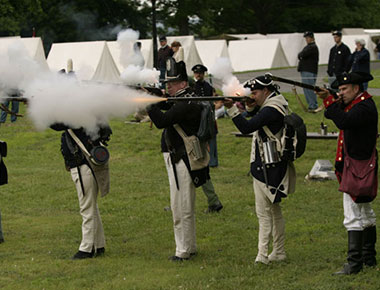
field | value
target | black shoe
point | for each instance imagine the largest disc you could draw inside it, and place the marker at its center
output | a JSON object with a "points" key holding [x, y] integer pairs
{"points": [[82, 255], [177, 259], [214, 208], [2, 240], [100, 252]]}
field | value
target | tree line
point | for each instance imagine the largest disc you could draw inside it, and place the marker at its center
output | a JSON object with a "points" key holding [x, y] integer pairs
{"points": [[85, 20]]}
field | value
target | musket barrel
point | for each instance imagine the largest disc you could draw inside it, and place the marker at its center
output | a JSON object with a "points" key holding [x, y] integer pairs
{"points": [[206, 98], [299, 84]]}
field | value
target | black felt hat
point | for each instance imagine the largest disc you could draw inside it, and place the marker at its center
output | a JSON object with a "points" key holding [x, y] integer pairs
{"points": [[199, 68], [308, 34], [175, 71], [162, 38], [351, 78], [337, 32], [258, 83]]}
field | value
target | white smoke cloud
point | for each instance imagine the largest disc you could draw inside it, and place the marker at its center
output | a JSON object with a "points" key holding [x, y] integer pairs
{"points": [[126, 40], [134, 75], [55, 97], [222, 70], [133, 61]]}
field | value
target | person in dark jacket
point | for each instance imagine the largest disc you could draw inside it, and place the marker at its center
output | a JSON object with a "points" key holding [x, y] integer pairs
{"points": [[339, 58], [3, 177], [182, 179], [354, 113], [203, 88], [360, 59], [271, 182], [87, 185], [164, 52], [308, 67]]}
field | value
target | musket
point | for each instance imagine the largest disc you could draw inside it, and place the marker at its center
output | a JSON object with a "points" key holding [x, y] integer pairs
{"points": [[299, 84], [17, 99], [207, 98], [151, 90]]}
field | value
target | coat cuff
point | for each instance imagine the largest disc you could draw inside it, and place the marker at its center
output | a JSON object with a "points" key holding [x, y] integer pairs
{"points": [[328, 101], [233, 111]]}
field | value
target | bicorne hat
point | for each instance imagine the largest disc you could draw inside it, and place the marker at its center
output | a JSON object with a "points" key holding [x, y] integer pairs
{"points": [[259, 83]]}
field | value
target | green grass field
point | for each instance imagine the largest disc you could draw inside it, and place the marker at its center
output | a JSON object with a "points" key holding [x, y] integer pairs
{"points": [[375, 83], [42, 225]]}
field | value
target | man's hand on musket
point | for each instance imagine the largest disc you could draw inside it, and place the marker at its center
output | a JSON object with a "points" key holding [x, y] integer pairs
{"points": [[323, 93], [228, 103], [250, 103]]}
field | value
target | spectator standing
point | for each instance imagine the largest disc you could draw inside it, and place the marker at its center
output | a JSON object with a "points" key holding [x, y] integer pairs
{"points": [[178, 52], [3, 178], [163, 53], [377, 48], [138, 58], [308, 67], [339, 58], [14, 110], [359, 59]]}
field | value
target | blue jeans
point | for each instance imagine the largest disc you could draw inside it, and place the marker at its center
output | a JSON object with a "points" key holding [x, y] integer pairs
{"points": [[162, 77], [311, 98], [15, 106]]}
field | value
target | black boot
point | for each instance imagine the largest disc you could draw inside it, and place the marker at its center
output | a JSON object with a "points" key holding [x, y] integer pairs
{"points": [[354, 254], [369, 241]]}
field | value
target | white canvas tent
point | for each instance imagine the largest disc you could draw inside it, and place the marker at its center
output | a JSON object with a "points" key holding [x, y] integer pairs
{"points": [[33, 46], [325, 42], [146, 51], [190, 50], [92, 60], [248, 36], [256, 54], [210, 50], [292, 44]]}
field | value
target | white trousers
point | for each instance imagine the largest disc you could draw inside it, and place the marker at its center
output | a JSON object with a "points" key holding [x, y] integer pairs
{"points": [[92, 227], [182, 204], [271, 222], [357, 216]]}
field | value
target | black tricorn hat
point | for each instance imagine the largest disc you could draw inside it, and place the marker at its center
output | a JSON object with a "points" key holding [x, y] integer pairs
{"points": [[308, 34], [351, 78], [259, 83], [199, 68], [175, 71]]}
